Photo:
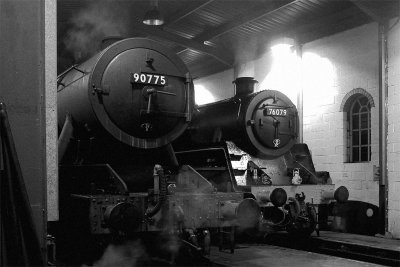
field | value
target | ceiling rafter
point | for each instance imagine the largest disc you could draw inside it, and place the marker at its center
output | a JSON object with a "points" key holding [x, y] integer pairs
{"points": [[328, 21], [219, 54], [366, 10], [314, 19], [186, 12], [237, 22]]}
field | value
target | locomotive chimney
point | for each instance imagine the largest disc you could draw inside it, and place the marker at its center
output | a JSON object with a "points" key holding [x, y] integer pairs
{"points": [[244, 85], [109, 40]]}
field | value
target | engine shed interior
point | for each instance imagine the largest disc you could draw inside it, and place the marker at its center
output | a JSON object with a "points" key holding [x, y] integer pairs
{"points": [[163, 129]]}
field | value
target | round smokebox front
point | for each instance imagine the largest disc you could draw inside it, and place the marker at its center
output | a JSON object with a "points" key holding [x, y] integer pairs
{"points": [[144, 97], [272, 123]]}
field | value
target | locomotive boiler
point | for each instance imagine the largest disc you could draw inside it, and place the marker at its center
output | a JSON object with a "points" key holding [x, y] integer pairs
{"points": [[118, 113], [259, 131], [263, 124]]}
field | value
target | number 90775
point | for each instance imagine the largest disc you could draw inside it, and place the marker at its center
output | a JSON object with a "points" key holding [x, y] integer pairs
{"points": [[147, 78]]}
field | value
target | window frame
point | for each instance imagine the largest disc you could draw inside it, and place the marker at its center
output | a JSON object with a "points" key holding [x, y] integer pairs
{"points": [[352, 129]]}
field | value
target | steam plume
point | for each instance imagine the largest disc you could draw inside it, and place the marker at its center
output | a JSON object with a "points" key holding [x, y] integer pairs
{"points": [[91, 25], [128, 255]]}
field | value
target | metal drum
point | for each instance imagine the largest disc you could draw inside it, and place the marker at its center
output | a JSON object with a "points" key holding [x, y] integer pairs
{"points": [[135, 90]]}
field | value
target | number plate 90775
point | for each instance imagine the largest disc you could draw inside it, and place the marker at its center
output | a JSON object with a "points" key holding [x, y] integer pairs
{"points": [[147, 78], [275, 112]]}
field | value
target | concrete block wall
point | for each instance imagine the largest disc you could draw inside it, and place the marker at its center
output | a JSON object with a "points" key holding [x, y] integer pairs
{"points": [[393, 156], [330, 68], [333, 67], [214, 87]]}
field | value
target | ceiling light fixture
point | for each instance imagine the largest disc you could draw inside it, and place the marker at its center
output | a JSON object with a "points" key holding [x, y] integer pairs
{"points": [[153, 16]]}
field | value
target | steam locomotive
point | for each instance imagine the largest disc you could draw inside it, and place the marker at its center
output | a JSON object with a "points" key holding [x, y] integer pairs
{"points": [[119, 175], [259, 132], [137, 158]]}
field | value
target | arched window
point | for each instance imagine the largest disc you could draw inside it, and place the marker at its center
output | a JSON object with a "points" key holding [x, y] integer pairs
{"points": [[359, 132], [357, 104]]}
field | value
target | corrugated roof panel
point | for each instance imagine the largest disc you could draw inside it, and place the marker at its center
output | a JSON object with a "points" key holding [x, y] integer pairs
{"points": [[169, 44], [200, 64], [181, 32], [284, 19], [285, 16], [213, 15], [189, 56], [220, 20], [311, 7], [219, 12]]}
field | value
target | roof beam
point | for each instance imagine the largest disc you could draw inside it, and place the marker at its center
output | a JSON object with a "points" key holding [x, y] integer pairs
{"points": [[237, 22], [186, 12], [304, 32], [153, 31], [367, 10]]}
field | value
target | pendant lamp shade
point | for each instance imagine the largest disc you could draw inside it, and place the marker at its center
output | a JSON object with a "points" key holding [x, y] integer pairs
{"points": [[153, 17]]}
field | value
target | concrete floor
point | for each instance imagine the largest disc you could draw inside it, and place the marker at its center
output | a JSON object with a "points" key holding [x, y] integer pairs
{"points": [[361, 240], [267, 255]]}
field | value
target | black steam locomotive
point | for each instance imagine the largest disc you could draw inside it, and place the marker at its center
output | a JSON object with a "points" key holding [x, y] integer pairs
{"points": [[137, 158], [259, 131], [119, 176]]}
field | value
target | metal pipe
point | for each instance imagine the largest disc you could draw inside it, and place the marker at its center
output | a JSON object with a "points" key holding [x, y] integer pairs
{"points": [[299, 53], [383, 127], [173, 160], [159, 172]]}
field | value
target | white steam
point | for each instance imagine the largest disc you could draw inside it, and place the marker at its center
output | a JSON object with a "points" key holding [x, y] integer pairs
{"points": [[127, 255], [98, 20]]}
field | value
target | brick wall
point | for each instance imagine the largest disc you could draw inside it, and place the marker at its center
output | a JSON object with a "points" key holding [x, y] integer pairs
{"points": [[394, 130]]}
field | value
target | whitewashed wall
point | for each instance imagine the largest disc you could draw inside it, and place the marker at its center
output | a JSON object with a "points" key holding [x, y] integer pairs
{"points": [[330, 68], [394, 130], [334, 66]]}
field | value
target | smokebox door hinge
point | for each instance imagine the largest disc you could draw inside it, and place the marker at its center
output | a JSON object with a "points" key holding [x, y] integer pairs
{"points": [[100, 91]]}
